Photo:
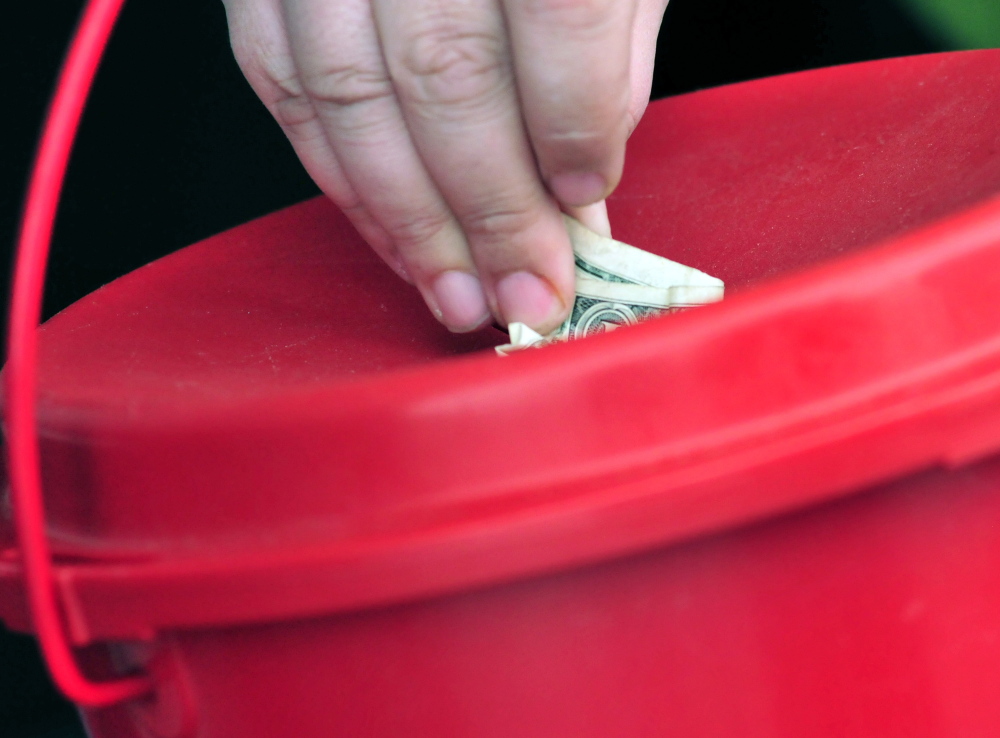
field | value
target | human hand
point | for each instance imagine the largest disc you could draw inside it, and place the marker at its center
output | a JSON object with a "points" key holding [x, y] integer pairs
{"points": [[452, 132]]}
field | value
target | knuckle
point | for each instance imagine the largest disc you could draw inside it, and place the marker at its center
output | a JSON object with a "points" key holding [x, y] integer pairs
{"points": [[577, 16], [591, 124], [580, 149], [352, 206], [279, 89], [346, 85], [576, 137], [450, 63], [292, 109], [501, 219], [415, 229]]}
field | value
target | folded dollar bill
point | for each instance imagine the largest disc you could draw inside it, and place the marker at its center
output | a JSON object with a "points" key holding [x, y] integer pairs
{"points": [[618, 285]]}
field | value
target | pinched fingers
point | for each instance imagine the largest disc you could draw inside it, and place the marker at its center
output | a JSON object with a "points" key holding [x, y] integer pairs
{"points": [[443, 126], [451, 68], [431, 164]]}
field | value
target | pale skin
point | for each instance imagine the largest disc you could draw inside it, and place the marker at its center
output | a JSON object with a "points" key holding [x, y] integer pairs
{"points": [[453, 132]]}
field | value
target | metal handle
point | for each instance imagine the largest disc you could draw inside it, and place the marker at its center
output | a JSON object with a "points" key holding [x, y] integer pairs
{"points": [[45, 187]]}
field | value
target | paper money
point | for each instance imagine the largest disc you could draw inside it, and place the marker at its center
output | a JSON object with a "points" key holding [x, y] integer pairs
{"points": [[618, 285]]}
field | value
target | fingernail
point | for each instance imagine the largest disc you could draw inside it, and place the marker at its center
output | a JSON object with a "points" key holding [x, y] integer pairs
{"points": [[524, 298], [461, 304], [578, 189]]}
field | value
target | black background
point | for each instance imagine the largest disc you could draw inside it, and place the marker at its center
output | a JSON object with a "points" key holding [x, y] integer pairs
{"points": [[174, 147]]}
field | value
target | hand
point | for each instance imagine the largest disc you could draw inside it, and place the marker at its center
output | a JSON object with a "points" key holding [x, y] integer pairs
{"points": [[452, 132]]}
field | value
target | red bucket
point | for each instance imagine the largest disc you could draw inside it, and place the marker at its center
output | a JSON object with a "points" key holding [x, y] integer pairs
{"points": [[277, 488]]}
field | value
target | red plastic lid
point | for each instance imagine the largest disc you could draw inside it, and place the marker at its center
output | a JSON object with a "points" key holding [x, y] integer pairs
{"points": [[269, 424]]}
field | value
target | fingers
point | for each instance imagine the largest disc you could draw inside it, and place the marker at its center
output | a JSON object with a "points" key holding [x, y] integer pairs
{"points": [[450, 66], [442, 128], [573, 64], [261, 48], [337, 53]]}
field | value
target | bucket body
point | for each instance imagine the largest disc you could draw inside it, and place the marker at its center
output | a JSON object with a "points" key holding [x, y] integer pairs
{"points": [[305, 509], [870, 616]]}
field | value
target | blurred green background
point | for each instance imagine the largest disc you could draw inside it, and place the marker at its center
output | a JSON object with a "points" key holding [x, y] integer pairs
{"points": [[959, 24]]}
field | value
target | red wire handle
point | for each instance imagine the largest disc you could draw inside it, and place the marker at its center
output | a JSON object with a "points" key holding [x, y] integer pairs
{"points": [[47, 177]]}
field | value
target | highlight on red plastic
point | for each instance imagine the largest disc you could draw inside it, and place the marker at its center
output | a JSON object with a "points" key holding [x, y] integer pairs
{"points": [[47, 177]]}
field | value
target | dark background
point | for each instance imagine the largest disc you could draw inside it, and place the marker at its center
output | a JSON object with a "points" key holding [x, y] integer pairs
{"points": [[174, 147]]}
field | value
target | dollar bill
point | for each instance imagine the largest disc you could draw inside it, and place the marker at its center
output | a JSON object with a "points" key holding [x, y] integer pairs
{"points": [[607, 260], [618, 285]]}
